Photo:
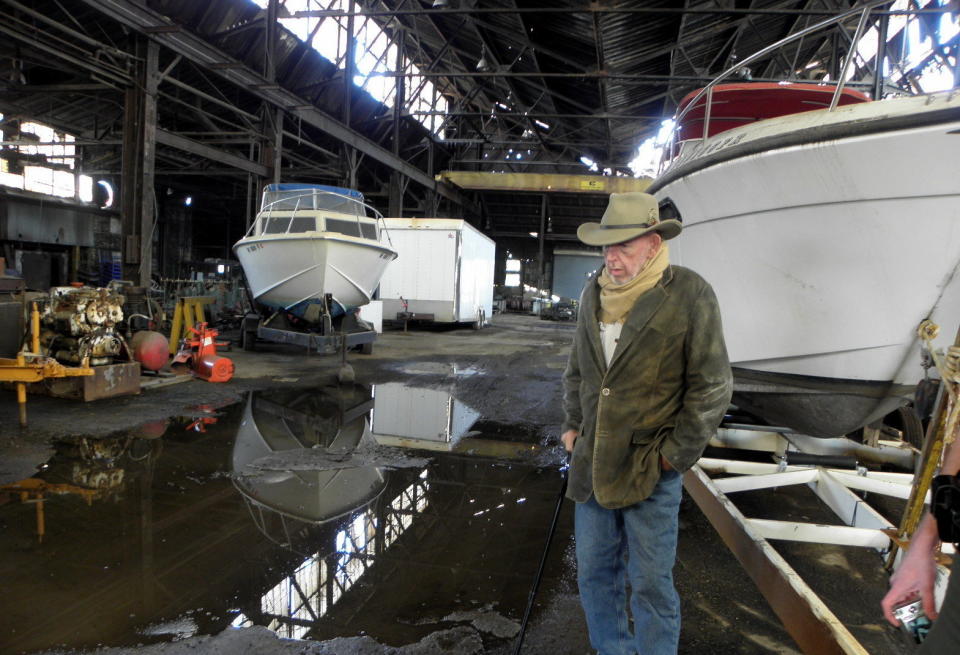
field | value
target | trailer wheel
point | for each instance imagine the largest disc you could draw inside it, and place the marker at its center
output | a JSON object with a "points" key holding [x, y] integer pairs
{"points": [[912, 427]]}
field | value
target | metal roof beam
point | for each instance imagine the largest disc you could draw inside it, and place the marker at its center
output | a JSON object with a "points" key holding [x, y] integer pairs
{"points": [[208, 152], [543, 114], [601, 82], [138, 16], [594, 8]]}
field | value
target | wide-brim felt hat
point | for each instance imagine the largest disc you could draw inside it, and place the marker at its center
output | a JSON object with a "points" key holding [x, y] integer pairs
{"points": [[628, 216]]}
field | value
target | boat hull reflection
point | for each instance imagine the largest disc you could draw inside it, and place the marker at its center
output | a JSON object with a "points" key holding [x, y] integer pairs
{"points": [[300, 419]]}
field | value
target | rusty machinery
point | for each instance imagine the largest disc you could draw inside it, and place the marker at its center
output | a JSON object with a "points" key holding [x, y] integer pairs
{"points": [[72, 329], [33, 366], [81, 322], [89, 322]]}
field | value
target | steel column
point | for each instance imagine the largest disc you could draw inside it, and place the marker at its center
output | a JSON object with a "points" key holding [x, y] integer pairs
{"points": [[148, 193], [395, 195], [137, 198]]}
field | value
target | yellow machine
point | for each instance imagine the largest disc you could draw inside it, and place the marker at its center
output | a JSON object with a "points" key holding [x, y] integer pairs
{"points": [[31, 366], [187, 313]]}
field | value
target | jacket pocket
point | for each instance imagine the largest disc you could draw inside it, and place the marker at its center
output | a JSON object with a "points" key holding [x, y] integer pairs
{"points": [[649, 435]]}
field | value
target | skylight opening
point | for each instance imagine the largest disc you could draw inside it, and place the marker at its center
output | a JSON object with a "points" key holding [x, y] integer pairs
{"points": [[650, 152], [375, 57], [918, 47]]}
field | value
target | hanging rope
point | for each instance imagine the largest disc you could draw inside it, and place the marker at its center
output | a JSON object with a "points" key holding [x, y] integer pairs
{"points": [[949, 367]]}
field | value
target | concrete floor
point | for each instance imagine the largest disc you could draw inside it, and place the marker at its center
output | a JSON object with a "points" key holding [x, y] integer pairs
{"points": [[171, 555]]}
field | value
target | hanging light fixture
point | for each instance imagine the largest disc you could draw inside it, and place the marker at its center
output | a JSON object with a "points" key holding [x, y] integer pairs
{"points": [[483, 66]]}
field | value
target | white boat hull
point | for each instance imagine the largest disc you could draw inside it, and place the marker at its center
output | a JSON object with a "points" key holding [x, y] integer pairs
{"points": [[284, 270], [825, 257]]}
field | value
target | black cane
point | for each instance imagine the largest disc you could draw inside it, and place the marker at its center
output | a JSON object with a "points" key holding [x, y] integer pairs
{"points": [[543, 560]]}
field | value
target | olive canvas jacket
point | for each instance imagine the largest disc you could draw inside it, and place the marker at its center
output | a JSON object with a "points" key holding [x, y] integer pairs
{"points": [[665, 392]]}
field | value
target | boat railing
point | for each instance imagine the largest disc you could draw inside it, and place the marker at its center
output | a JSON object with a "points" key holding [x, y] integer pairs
{"points": [[268, 209], [864, 10]]}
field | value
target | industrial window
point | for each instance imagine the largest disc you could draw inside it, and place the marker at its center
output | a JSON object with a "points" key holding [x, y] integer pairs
{"points": [[41, 143]]}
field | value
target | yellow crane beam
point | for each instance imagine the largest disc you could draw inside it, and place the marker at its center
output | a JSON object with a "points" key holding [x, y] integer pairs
{"points": [[544, 182]]}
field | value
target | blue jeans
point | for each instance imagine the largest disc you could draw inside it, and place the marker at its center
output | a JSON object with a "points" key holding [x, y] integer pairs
{"points": [[636, 543]]}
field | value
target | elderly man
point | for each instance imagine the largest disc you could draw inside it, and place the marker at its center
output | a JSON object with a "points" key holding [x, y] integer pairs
{"points": [[646, 385]]}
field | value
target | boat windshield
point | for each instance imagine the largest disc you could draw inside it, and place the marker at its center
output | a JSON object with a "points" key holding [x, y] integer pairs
{"points": [[353, 228], [297, 208], [307, 199], [281, 224]]}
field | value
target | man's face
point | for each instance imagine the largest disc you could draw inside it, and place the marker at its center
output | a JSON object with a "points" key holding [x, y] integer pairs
{"points": [[625, 260]]}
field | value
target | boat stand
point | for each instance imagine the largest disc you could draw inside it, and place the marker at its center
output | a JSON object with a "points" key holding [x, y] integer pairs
{"points": [[804, 615], [331, 336]]}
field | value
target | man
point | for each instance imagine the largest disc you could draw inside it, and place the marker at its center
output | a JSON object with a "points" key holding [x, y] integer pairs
{"points": [[646, 385], [915, 577]]}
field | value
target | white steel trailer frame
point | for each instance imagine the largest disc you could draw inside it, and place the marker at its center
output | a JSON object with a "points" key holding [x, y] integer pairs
{"points": [[804, 615]]}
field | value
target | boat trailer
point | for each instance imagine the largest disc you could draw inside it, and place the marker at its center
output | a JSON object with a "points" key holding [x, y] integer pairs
{"points": [[834, 477], [328, 335]]}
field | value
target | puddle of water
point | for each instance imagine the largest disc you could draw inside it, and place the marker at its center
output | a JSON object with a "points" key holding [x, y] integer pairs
{"points": [[438, 368], [150, 539]]}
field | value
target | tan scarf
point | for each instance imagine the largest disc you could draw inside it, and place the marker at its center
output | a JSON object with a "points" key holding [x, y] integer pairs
{"points": [[616, 300]]}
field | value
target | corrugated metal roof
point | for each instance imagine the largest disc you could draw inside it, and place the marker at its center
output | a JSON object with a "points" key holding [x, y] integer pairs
{"points": [[567, 78]]}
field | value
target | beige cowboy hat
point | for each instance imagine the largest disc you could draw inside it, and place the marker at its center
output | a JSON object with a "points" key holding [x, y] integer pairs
{"points": [[628, 216]]}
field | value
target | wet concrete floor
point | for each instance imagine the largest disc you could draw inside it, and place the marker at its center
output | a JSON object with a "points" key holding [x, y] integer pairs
{"points": [[186, 533], [407, 513]]}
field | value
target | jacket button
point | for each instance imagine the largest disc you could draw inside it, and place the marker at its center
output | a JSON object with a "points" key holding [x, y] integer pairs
{"points": [[605, 391]]}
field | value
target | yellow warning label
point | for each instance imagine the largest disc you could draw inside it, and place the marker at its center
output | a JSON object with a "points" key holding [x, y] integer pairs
{"points": [[592, 185]]}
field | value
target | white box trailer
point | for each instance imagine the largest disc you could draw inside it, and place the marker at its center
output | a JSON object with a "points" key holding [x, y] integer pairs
{"points": [[444, 272]]}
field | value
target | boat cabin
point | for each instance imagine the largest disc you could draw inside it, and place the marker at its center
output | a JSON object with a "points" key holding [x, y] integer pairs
{"points": [[299, 208]]}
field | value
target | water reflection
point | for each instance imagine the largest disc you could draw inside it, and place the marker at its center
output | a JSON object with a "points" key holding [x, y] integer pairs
{"points": [[284, 502], [443, 369], [89, 469], [433, 419], [311, 553], [416, 417], [334, 423]]}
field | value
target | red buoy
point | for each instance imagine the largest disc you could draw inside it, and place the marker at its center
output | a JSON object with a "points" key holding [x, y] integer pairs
{"points": [[151, 349]]}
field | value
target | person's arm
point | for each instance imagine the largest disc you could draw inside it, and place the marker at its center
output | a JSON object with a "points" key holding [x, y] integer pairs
{"points": [[917, 573], [708, 382], [573, 414]]}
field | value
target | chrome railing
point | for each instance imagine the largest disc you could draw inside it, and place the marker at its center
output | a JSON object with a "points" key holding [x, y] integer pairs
{"points": [[312, 194], [864, 11]]}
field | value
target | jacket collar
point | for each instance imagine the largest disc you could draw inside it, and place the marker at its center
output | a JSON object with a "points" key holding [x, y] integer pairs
{"points": [[643, 310]]}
